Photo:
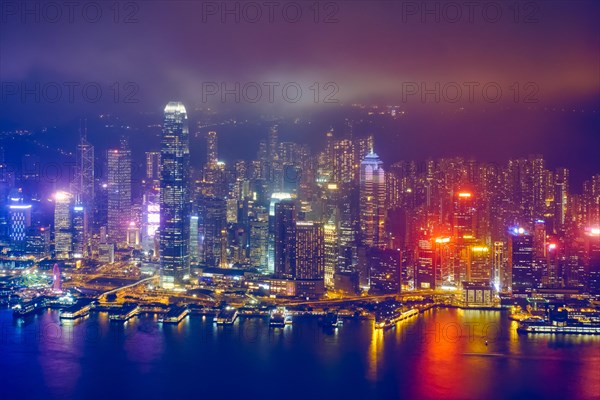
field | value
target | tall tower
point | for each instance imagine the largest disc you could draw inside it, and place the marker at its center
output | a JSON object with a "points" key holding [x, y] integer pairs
{"points": [[520, 252], [84, 173], [372, 201], [62, 224], [174, 198], [211, 148], [56, 280], [285, 239], [310, 249], [119, 192]]}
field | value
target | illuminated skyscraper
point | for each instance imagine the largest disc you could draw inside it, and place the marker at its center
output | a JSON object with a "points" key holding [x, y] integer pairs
{"points": [[84, 173], [310, 249], [211, 148], [19, 218], [62, 224], [372, 201], [153, 166], [520, 252], [174, 198], [331, 239], [119, 192], [285, 239]]}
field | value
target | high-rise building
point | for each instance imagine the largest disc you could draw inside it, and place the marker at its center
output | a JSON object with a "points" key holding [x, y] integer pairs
{"points": [[84, 172], [285, 239], [174, 198], [119, 192], [62, 224], [79, 227], [153, 166], [372, 201], [212, 156], [384, 271], [310, 250], [19, 218], [331, 239], [520, 252]]}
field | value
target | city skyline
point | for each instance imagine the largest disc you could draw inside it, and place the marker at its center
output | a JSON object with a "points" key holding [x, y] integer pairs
{"points": [[362, 199]]}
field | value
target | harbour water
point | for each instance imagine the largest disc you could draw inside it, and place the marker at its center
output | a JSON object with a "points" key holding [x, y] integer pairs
{"points": [[440, 354]]}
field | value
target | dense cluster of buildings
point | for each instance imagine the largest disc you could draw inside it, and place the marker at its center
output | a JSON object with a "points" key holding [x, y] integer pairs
{"points": [[301, 222]]}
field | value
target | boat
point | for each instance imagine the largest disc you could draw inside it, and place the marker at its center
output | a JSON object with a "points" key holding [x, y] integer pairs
{"points": [[80, 309], [126, 312], [389, 317], [331, 320], [174, 316], [29, 307], [571, 327], [226, 316], [280, 317]]}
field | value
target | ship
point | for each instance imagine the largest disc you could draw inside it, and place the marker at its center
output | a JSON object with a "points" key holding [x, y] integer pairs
{"points": [[331, 320], [28, 307], [174, 316], [560, 322], [226, 316], [389, 317], [80, 309], [280, 317], [128, 311]]}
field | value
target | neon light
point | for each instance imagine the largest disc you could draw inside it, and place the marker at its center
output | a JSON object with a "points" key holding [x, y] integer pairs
{"points": [[464, 194]]}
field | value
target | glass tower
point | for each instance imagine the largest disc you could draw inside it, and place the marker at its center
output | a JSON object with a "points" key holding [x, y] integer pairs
{"points": [[174, 198]]}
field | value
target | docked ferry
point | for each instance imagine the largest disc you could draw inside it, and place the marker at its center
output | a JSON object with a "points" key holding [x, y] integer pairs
{"points": [[280, 317], [29, 307], [331, 320], [226, 316], [80, 309], [126, 312], [174, 316]]}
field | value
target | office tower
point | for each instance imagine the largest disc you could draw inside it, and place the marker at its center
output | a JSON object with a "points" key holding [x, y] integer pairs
{"points": [[119, 192], [212, 219], [153, 166], [479, 265], [372, 201], [174, 198], [223, 258], [62, 224], [150, 220], [285, 239], [500, 277], [194, 239], [310, 250], [84, 173], [384, 271], [79, 227], [561, 190], [593, 257], [463, 218], [424, 268], [259, 240], [19, 220], [344, 163], [520, 252], [211, 148], [332, 250]]}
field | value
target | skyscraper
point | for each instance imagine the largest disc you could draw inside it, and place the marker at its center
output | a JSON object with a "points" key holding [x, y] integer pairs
{"points": [[372, 201], [285, 239], [211, 148], [119, 192], [62, 224], [310, 249], [520, 252], [174, 198]]}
